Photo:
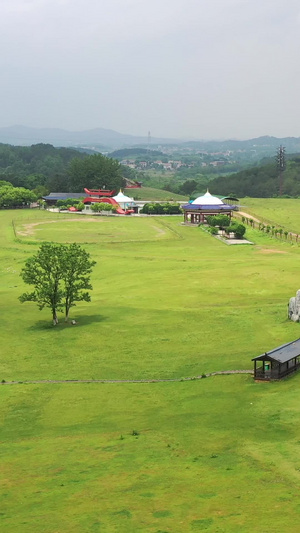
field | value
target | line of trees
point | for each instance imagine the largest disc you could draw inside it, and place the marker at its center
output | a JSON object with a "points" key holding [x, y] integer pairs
{"points": [[103, 206], [271, 230], [70, 202], [161, 209], [15, 196], [43, 168], [260, 182]]}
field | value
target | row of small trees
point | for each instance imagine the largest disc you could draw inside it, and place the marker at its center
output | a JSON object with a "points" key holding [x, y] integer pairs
{"points": [[60, 276], [103, 206], [79, 205], [279, 233], [70, 202], [161, 209]]}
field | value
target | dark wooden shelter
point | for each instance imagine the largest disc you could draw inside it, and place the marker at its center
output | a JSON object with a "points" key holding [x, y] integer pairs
{"points": [[278, 363]]}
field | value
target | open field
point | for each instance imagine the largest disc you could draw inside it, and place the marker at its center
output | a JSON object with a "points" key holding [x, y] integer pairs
{"points": [[216, 455], [90, 229], [283, 212]]}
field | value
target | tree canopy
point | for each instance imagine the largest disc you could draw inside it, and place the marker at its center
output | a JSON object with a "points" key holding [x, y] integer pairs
{"points": [[15, 196], [95, 172], [260, 182], [60, 276], [44, 168]]}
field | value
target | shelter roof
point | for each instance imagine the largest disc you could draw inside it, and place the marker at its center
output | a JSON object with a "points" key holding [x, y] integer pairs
{"points": [[207, 199], [233, 198], [64, 195], [120, 197], [283, 353], [217, 207]]}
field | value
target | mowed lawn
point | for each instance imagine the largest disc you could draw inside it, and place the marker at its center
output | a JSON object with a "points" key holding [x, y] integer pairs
{"points": [[149, 193], [219, 455]]}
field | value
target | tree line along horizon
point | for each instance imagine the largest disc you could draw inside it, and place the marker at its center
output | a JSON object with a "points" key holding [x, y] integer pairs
{"points": [[42, 168]]}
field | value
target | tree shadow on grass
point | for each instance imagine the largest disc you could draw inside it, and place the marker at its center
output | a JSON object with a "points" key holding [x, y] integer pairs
{"points": [[81, 320]]}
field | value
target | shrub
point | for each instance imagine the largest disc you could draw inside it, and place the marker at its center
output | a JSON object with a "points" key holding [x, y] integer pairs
{"points": [[213, 230], [237, 229], [101, 206], [161, 209], [222, 221]]}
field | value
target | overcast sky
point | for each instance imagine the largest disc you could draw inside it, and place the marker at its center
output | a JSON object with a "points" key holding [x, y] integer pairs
{"points": [[206, 69]]}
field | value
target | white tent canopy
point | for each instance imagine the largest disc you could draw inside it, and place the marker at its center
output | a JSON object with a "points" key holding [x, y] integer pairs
{"points": [[207, 199], [122, 199]]}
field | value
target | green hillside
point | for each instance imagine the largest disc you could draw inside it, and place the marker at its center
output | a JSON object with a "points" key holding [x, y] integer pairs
{"points": [[260, 181], [149, 193]]}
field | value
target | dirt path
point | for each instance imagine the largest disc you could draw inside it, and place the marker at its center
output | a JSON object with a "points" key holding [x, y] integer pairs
{"points": [[166, 380], [248, 216], [29, 228]]}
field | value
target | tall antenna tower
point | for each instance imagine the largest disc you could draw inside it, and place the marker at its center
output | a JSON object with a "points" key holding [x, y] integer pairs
{"points": [[149, 140], [280, 166]]}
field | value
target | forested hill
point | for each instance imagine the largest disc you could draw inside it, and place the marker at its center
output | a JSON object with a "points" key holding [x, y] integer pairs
{"points": [[260, 182], [43, 168], [32, 166]]}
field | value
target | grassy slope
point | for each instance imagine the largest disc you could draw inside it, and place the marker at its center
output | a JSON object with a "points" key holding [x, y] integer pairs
{"points": [[149, 193], [219, 454], [284, 212]]}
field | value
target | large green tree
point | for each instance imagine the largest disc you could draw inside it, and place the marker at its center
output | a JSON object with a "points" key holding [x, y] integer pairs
{"points": [[76, 269], [44, 272], [95, 172], [15, 196], [60, 276]]}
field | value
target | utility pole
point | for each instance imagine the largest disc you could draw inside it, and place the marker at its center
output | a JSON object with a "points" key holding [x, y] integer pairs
{"points": [[149, 141], [280, 158]]}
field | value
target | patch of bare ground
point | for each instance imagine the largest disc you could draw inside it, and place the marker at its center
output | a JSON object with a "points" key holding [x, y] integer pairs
{"points": [[160, 231], [28, 229], [271, 251]]}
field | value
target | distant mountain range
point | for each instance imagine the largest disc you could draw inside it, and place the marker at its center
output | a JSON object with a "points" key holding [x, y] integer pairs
{"points": [[103, 139], [100, 138]]}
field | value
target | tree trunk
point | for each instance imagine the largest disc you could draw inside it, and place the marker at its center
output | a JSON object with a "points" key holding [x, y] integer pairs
{"points": [[54, 317], [67, 308]]}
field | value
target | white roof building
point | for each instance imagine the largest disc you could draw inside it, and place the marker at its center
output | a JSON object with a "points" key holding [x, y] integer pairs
{"points": [[123, 201], [207, 199]]}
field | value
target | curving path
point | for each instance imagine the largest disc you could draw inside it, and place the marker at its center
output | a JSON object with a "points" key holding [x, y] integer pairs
{"points": [[166, 380]]}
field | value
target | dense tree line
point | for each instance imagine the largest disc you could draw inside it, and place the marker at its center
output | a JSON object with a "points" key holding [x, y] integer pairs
{"points": [[260, 182], [94, 172], [15, 196], [43, 168], [161, 209]]}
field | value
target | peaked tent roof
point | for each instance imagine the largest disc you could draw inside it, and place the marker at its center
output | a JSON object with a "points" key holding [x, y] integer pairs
{"points": [[207, 199], [120, 197]]}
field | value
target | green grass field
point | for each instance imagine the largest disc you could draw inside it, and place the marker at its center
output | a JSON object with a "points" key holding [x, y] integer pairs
{"points": [[277, 211], [149, 193], [217, 455]]}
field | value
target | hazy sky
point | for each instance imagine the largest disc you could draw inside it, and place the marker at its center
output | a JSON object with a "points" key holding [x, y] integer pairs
{"points": [[179, 68]]}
